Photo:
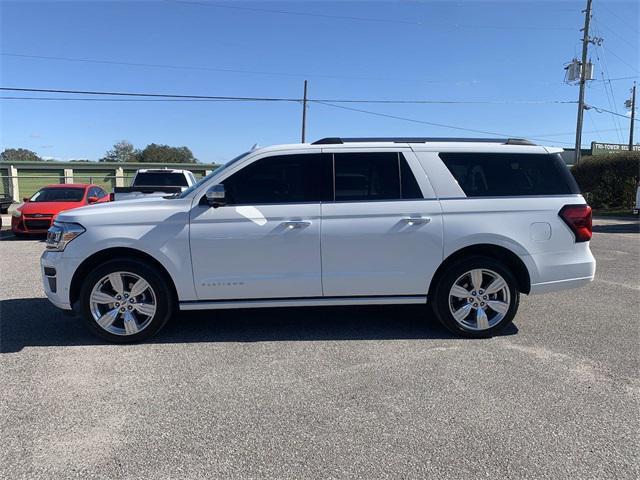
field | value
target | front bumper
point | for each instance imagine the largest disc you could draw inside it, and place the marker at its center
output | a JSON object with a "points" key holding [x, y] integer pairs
{"points": [[57, 273], [31, 225]]}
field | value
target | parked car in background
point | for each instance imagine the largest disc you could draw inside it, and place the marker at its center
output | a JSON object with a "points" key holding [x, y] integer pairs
{"points": [[465, 225], [37, 213], [155, 183], [636, 208], [5, 202]]}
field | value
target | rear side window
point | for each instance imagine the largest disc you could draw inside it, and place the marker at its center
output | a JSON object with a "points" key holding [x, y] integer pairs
{"points": [[369, 176], [282, 179], [509, 174]]}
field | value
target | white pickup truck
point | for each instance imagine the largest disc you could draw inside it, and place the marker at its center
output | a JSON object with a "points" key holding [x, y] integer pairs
{"points": [[155, 183]]}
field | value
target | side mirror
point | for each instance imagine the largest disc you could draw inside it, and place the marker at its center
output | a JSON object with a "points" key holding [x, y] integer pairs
{"points": [[25, 199], [216, 196], [92, 199]]}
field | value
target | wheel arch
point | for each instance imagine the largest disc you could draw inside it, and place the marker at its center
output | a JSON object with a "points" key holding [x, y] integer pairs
{"points": [[115, 253], [502, 254]]}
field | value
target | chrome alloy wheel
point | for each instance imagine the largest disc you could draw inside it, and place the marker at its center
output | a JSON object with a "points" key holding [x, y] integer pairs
{"points": [[123, 303], [479, 299]]}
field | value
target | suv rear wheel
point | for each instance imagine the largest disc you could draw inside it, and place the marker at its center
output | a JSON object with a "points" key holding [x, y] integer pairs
{"points": [[125, 301], [476, 297]]}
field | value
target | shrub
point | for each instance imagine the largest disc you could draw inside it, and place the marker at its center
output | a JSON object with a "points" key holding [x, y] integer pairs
{"points": [[609, 180]]}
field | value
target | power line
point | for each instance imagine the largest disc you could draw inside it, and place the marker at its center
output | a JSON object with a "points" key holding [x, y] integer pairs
{"points": [[600, 110], [621, 59], [633, 77], [215, 100], [566, 134], [281, 99], [424, 122], [616, 34], [66, 99], [210, 69], [622, 20], [612, 100], [162, 95], [366, 19], [457, 102], [247, 72]]}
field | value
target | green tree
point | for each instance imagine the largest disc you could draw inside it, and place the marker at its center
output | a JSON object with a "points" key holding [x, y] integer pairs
{"points": [[122, 151], [166, 154], [19, 155]]}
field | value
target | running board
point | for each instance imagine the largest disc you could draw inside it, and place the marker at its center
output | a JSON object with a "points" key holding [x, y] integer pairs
{"points": [[302, 302]]}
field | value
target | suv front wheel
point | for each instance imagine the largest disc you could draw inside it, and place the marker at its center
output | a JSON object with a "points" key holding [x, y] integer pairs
{"points": [[125, 301], [476, 297]]}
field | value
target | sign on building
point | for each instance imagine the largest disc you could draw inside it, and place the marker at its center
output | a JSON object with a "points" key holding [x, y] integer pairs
{"points": [[599, 148]]}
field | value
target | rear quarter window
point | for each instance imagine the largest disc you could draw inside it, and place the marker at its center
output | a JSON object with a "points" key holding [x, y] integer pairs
{"points": [[509, 174]]}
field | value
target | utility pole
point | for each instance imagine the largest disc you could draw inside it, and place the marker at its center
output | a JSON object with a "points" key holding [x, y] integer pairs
{"points": [[304, 112], [583, 79], [633, 115]]}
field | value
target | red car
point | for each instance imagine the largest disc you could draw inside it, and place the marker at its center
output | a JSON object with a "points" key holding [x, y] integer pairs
{"points": [[37, 213]]}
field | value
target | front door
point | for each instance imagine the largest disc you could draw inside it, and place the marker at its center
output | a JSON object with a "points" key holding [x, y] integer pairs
{"points": [[265, 243], [383, 233]]}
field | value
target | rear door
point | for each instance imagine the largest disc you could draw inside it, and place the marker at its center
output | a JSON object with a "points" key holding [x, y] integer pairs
{"points": [[382, 233]]}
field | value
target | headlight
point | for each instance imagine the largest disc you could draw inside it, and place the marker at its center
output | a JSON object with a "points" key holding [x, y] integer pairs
{"points": [[16, 213], [61, 233]]}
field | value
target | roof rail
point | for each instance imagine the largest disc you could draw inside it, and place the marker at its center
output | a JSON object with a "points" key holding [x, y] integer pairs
{"points": [[339, 140]]}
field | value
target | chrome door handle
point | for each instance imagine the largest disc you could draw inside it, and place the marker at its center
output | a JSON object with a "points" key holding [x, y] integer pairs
{"points": [[416, 220], [291, 224]]}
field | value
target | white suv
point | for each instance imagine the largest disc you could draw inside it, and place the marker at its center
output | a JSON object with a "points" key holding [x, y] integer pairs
{"points": [[465, 224]]}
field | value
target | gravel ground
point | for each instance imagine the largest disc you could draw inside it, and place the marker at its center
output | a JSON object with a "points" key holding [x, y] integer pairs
{"points": [[376, 392]]}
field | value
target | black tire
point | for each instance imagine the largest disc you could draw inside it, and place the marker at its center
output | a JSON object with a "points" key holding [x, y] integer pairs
{"points": [[164, 299], [440, 300]]}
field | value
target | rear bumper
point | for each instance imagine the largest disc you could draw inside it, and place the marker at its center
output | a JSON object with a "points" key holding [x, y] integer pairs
{"points": [[551, 272], [556, 285]]}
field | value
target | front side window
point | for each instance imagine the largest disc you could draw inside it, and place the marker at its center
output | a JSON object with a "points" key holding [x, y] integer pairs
{"points": [[510, 174], [58, 194], [297, 178], [370, 176]]}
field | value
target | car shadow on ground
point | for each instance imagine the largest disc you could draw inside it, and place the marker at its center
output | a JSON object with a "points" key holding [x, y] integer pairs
{"points": [[33, 322], [9, 236], [631, 227]]}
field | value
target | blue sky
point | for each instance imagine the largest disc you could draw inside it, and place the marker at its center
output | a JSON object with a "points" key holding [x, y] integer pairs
{"points": [[506, 51]]}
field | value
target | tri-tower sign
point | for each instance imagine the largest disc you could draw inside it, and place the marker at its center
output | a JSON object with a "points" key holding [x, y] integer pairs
{"points": [[599, 148]]}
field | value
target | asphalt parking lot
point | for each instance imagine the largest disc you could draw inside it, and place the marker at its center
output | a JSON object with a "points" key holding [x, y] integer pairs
{"points": [[328, 393]]}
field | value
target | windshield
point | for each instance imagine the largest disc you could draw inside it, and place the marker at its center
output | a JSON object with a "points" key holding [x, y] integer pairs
{"points": [[58, 195], [212, 174], [160, 179]]}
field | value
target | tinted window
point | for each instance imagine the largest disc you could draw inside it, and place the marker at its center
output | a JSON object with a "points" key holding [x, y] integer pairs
{"points": [[373, 176], [58, 195], [160, 179], [508, 174], [282, 179], [408, 183], [217, 171]]}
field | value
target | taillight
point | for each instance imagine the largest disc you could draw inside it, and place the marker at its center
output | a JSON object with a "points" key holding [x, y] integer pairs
{"points": [[112, 197], [578, 218]]}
